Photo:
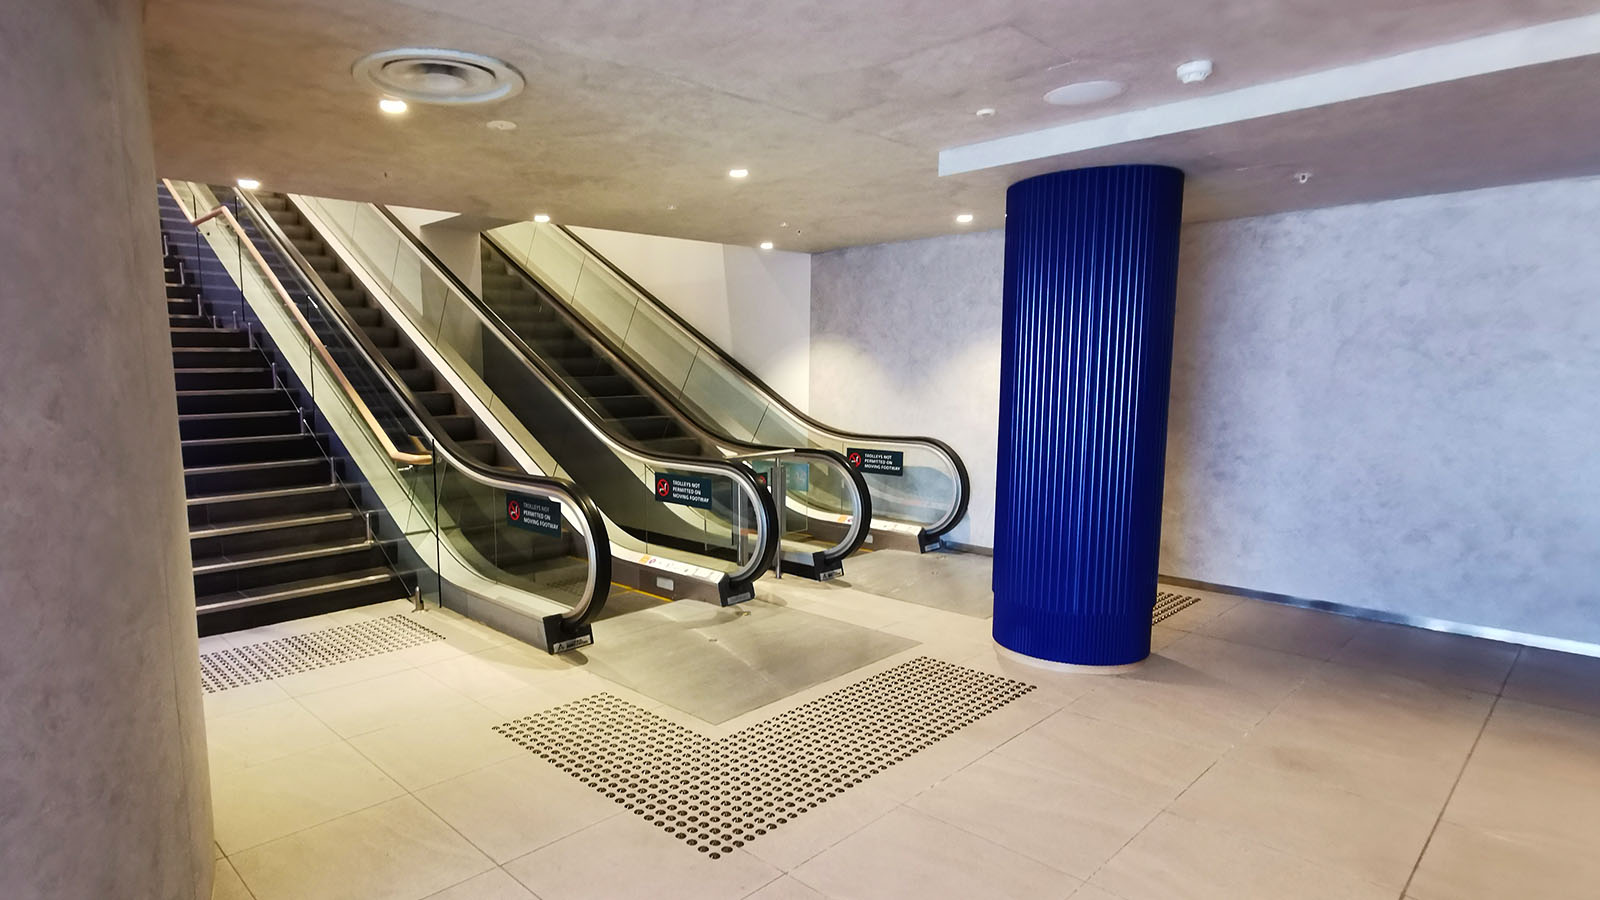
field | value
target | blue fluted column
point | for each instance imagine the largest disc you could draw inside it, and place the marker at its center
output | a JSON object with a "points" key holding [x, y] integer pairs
{"points": [[1085, 368]]}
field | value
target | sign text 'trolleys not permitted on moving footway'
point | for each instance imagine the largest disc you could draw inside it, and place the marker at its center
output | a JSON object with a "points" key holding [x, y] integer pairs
{"points": [[689, 490], [880, 462], [538, 514]]}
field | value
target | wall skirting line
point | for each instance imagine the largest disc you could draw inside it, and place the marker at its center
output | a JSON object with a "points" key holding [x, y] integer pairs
{"points": [[1543, 642]]}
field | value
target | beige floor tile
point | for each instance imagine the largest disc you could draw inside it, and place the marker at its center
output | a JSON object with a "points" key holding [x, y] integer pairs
{"points": [[1370, 839], [262, 803], [497, 670], [495, 884], [796, 841], [1137, 765], [625, 858], [1068, 825], [1176, 859], [1392, 714], [382, 702], [226, 884], [346, 673], [432, 748], [1199, 711], [515, 807], [1090, 892], [1562, 680], [1289, 629], [787, 888], [396, 851], [1056, 688], [1266, 675], [1347, 758], [1161, 637], [1464, 864], [920, 771], [264, 733], [1528, 803], [1556, 743], [1451, 660], [908, 854], [239, 699]]}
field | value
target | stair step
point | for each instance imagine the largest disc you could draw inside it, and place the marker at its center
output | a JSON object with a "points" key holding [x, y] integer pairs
{"points": [[252, 423], [189, 358], [279, 593], [183, 307], [238, 400], [221, 451], [232, 479], [208, 337], [272, 524], [222, 379], [267, 568], [218, 509], [187, 321]]}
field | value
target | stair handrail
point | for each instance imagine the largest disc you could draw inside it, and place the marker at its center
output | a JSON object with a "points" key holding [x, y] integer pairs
{"points": [[403, 457]]}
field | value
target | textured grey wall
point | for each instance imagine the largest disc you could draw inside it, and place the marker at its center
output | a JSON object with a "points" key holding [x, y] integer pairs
{"points": [[1394, 406], [905, 339]]}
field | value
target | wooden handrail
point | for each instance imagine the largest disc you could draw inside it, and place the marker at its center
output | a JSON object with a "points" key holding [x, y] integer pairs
{"points": [[222, 212]]}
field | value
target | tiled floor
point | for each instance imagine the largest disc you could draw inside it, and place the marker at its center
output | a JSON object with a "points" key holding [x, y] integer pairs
{"points": [[1263, 751]]}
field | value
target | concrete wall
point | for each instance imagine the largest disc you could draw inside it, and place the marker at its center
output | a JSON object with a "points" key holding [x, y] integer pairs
{"points": [[103, 772], [1392, 406], [754, 304], [905, 339]]}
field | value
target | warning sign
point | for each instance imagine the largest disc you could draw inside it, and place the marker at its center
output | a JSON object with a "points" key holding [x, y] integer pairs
{"points": [[688, 490], [881, 462], [539, 514]]}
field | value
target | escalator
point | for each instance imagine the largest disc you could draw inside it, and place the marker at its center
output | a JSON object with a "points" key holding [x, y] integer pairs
{"points": [[710, 533], [570, 303], [824, 498], [455, 519]]}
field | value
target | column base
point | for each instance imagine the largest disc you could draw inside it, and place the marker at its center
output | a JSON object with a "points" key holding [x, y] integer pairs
{"points": [[1050, 665]]}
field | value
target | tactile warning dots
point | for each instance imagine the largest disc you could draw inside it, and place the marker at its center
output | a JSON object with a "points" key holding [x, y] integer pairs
{"points": [[1169, 604], [718, 795], [239, 666]]}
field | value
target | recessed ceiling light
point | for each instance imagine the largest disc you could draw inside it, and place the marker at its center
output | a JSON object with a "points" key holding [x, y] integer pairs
{"points": [[738, 173], [964, 218], [1194, 71], [392, 106], [1084, 92], [541, 218], [1302, 177], [501, 125], [986, 112], [766, 245], [671, 206], [249, 184]]}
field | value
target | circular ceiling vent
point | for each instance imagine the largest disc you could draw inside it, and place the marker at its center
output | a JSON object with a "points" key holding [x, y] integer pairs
{"points": [[430, 75]]}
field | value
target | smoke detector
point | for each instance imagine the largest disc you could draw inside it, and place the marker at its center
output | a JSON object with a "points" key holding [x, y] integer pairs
{"points": [[1194, 71], [431, 75]]}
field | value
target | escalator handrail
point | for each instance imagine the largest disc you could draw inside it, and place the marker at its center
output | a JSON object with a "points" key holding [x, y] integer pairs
{"points": [[860, 525], [964, 481], [768, 536], [598, 585]]}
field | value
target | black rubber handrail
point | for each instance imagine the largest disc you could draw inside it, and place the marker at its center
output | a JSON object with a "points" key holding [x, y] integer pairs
{"points": [[598, 537], [553, 380], [965, 483]]}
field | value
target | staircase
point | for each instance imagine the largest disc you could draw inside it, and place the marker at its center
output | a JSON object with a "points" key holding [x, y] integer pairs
{"points": [[272, 532], [630, 413]]}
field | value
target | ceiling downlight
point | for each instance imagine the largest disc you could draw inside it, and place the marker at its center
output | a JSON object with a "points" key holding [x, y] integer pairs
{"points": [[432, 75]]}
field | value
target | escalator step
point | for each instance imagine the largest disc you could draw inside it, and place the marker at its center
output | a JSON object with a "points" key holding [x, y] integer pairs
{"points": [[458, 427], [485, 451], [683, 446], [418, 379], [606, 385], [437, 403]]}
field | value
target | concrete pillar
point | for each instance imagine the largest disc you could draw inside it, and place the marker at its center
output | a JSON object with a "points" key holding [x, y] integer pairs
{"points": [[1091, 284], [103, 783]]}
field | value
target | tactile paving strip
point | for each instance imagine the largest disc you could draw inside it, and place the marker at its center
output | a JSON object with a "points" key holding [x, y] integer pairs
{"points": [[1169, 604], [239, 666], [716, 795]]}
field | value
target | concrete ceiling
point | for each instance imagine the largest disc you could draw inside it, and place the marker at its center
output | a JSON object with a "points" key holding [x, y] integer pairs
{"points": [[840, 110]]}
